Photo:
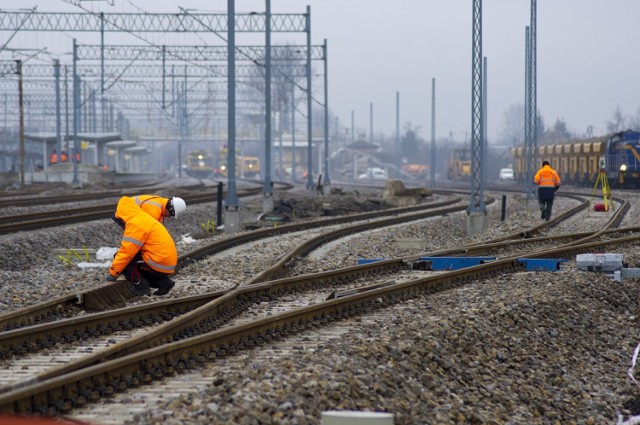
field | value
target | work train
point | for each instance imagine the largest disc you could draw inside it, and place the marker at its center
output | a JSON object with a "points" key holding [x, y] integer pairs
{"points": [[246, 166], [581, 162], [199, 164]]}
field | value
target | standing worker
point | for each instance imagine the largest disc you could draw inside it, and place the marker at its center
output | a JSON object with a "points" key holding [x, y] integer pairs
{"points": [[548, 183], [147, 254], [53, 159]]}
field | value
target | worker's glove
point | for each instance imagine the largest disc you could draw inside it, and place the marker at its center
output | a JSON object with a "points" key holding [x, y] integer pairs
{"points": [[555, 189], [110, 278]]}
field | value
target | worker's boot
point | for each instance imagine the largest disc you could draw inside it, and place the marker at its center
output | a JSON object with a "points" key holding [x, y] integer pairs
{"points": [[142, 287], [164, 286]]}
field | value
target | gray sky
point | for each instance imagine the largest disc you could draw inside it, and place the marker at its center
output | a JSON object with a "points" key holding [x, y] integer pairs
{"points": [[586, 56]]}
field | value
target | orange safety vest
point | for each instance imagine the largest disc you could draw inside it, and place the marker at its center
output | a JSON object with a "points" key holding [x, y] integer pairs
{"points": [[64, 157], [53, 158], [144, 234], [547, 177]]}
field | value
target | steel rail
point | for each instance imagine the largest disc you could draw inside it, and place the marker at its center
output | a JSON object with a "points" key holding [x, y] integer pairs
{"points": [[279, 269], [160, 333], [59, 394], [59, 199], [44, 311], [10, 224], [237, 295], [178, 328], [37, 337], [33, 338]]}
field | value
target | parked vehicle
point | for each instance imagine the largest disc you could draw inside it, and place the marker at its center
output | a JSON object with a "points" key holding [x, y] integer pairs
{"points": [[506, 174], [374, 174]]}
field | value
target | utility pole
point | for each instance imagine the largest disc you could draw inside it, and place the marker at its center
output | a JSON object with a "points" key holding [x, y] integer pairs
{"points": [[477, 211], [76, 113], [398, 150], [56, 71], [293, 133], [309, 104], [267, 198], [232, 216], [433, 133], [327, 180], [21, 112], [531, 108], [371, 122]]}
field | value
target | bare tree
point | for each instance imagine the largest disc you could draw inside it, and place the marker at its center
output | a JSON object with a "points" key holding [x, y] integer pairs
{"points": [[617, 122], [634, 121], [513, 125], [558, 132], [411, 143]]}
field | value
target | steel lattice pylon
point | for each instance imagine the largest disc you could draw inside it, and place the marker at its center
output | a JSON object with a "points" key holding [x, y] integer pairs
{"points": [[477, 123], [531, 116]]}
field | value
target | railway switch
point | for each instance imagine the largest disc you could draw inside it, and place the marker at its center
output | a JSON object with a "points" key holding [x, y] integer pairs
{"points": [[449, 263], [362, 261], [541, 264]]}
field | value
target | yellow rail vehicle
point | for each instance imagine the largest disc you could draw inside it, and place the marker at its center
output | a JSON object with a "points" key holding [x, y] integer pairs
{"points": [[246, 166], [577, 162], [459, 166], [199, 164], [249, 166], [580, 162]]}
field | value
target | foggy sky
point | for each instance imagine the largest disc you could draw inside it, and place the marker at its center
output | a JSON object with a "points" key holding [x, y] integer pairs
{"points": [[586, 56]]}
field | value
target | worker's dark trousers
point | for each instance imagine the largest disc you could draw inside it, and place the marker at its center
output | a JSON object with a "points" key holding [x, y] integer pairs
{"points": [[545, 209], [546, 194], [137, 268]]}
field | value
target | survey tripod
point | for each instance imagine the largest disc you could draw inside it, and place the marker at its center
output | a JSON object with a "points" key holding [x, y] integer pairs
{"points": [[603, 183]]}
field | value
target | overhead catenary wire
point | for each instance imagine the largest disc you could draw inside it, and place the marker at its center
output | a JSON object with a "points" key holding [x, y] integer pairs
{"points": [[113, 80]]}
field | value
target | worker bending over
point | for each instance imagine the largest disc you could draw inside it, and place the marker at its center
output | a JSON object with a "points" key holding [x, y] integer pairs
{"points": [[159, 207], [147, 253]]}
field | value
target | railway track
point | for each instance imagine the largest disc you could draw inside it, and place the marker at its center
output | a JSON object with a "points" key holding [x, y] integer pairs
{"points": [[62, 306], [33, 198], [217, 312], [59, 395], [41, 220]]}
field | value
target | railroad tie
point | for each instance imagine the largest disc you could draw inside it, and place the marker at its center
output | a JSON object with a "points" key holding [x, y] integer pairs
{"points": [[107, 296]]}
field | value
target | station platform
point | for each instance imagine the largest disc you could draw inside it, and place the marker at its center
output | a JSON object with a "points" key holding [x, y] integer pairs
{"points": [[86, 174]]}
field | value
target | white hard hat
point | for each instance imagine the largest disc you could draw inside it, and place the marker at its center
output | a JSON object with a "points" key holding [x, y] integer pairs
{"points": [[177, 207]]}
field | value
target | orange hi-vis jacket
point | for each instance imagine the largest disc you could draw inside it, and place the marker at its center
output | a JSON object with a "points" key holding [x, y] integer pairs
{"points": [[547, 177], [143, 233], [153, 205]]}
